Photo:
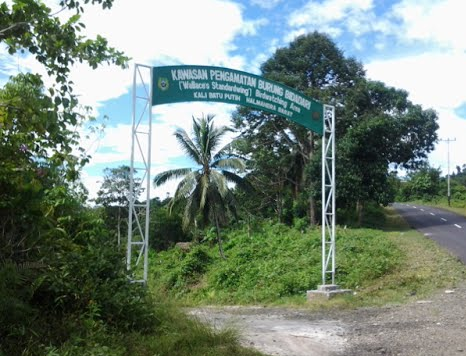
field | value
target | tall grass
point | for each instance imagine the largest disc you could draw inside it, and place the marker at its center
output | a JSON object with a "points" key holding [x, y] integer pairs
{"points": [[276, 264], [176, 335], [180, 335]]}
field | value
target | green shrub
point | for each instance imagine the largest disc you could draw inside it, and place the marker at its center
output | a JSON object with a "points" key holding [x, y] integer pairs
{"points": [[273, 263], [364, 255], [183, 268], [79, 279]]}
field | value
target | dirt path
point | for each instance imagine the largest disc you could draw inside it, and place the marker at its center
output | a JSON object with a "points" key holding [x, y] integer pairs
{"points": [[277, 331], [432, 327]]}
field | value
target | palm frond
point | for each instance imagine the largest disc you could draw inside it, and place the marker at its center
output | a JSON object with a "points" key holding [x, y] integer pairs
{"points": [[202, 128], [197, 131], [217, 205], [207, 136], [220, 183], [188, 146], [205, 192], [192, 206], [166, 176], [186, 186], [204, 186], [216, 137], [188, 216], [240, 182], [225, 151], [231, 163]]}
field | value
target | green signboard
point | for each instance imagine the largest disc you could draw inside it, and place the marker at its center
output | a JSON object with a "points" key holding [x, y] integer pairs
{"points": [[174, 84]]}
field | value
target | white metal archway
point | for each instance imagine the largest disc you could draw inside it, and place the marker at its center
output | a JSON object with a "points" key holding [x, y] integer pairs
{"points": [[137, 249], [138, 219]]}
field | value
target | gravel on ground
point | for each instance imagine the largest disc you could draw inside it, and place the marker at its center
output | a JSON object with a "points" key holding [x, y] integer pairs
{"points": [[432, 327]]}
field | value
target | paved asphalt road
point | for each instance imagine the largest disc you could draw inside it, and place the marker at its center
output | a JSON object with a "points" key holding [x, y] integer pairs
{"points": [[445, 227]]}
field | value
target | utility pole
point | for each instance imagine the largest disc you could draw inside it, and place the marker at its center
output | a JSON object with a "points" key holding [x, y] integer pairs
{"points": [[448, 140]]}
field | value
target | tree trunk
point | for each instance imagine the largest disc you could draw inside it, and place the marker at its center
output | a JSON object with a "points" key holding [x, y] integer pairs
{"points": [[118, 227], [279, 208], [219, 238], [312, 202], [312, 210], [359, 209]]}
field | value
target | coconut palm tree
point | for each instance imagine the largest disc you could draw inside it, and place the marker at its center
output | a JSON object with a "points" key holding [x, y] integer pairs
{"points": [[204, 190]]}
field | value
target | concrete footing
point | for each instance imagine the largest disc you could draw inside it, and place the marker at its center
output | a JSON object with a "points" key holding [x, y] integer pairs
{"points": [[326, 291]]}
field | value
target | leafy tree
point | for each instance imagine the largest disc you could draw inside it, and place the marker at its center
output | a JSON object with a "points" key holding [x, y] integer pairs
{"points": [[377, 127], [30, 25], [113, 196], [460, 175], [384, 129], [204, 190], [38, 127], [315, 66], [35, 155], [62, 276], [269, 173], [166, 227], [423, 183]]}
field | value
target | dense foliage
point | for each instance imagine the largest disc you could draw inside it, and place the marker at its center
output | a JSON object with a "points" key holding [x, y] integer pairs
{"points": [[271, 263], [60, 278], [427, 184], [377, 128]]}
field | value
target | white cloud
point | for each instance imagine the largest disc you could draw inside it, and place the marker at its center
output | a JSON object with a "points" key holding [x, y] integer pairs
{"points": [[92, 183], [154, 33], [8, 63], [441, 22], [333, 16], [115, 145], [451, 127], [435, 80], [196, 32], [250, 28], [96, 86]]}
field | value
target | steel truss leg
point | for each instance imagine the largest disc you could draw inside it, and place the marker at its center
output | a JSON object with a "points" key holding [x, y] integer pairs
{"points": [[138, 216], [328, 196]]}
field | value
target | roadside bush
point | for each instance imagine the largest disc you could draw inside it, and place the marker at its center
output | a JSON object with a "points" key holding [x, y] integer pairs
{"points": [[184, 268], [364, 255], [276, 262], [76, 281]]}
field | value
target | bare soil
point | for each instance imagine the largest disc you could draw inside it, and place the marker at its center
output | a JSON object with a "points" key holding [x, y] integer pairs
{"points": [[433, 327]]}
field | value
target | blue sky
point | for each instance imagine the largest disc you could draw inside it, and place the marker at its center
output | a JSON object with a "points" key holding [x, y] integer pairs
{"points": [[415, 45]]}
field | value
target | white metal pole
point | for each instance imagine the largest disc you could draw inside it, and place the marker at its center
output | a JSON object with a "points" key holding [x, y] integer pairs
{"points": [[448, 140], [328, 195], [138, 233], [131, 197], [448, 173], [148, 183], [333, 190], [324, 198]]}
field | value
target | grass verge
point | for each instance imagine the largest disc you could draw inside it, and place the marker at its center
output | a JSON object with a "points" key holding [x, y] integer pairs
{"points": [[175, 335], [276, 265], [424, 268], [179, 335]]}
